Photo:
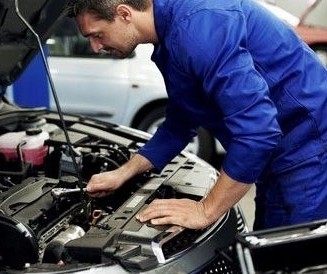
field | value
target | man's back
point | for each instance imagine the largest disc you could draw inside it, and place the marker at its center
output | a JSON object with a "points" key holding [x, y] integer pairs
{"points": [[238, 48]]}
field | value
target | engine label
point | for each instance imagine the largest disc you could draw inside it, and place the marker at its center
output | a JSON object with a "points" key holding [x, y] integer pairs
{"points": [[135, 201]]}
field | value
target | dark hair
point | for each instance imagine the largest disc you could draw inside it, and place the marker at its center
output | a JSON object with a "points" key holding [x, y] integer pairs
{"points": [[103, 9]]}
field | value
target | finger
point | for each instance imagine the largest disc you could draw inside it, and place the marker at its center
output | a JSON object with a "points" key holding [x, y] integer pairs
{"points": [[158, 208], [99, 194], [96, 187], [167, 220]]}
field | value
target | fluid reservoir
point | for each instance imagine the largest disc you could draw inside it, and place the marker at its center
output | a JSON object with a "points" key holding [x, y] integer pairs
{"points": [[9, 143], [29, 142], [33, 147]]}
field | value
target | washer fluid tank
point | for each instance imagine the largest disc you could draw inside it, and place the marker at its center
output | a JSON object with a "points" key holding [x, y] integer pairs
{"points": [[30, 143]]}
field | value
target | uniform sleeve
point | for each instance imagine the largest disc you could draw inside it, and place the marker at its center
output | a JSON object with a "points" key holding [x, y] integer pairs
{"points": [[212, 47], [170, 138]]}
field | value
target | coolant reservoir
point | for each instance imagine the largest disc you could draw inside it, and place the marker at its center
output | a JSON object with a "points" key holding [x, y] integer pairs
{"points": [[30, 143], [33, 148], [9, 143]]}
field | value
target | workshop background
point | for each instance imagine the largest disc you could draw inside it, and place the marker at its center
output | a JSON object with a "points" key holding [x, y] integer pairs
{"points": [[296, 7]]}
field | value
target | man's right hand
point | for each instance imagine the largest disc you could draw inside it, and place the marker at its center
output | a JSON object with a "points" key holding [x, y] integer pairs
{"points": [[105, 183]]}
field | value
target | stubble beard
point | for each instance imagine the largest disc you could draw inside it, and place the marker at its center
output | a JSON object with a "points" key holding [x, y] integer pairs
{"points": [[131, 45]]}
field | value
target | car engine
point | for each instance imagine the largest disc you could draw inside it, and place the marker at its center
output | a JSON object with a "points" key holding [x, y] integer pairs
{"points": [[47, 221]]}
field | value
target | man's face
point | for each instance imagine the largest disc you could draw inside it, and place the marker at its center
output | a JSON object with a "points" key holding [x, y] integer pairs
{"points": [[116, 37]]}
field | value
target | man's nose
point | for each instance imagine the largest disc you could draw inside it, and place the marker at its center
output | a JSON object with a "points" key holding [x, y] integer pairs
{"points": [[96, 47]]}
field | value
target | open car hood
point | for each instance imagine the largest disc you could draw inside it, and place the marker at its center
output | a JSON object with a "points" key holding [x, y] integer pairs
{"points": [[18, 45]]}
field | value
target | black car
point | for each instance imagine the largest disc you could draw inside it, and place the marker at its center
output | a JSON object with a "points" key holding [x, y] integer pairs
{"points": [[48, 223]]}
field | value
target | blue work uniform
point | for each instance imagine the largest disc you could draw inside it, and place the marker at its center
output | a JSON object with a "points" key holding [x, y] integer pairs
{"points": [[232, 67]]}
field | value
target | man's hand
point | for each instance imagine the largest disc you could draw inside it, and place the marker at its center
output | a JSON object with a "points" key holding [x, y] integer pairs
{"points": [[105, 183], [182, 212], [196, 215]]}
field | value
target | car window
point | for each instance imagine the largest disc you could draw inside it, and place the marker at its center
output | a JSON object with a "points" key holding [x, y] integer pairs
{"points": [[67, 41], [72, 46]]}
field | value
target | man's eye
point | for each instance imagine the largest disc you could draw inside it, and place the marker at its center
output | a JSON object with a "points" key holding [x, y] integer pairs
{"points": [[97, 36]]}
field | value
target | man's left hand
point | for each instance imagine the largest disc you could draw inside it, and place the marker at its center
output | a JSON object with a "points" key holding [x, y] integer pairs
{"points": [[183, 212]]}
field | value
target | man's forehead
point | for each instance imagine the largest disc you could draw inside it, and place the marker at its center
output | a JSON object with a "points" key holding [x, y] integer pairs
{"points": [[86, 22]]}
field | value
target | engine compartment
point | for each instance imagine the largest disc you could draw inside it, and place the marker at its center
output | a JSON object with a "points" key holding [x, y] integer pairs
{"points": [[47, 221]]}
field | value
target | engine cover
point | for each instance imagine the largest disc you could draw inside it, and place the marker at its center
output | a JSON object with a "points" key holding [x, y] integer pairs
{"points": [[30, 213]]}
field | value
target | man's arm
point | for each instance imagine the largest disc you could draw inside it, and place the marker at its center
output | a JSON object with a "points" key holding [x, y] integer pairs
{"points": [[196, 215], [224, 195]]}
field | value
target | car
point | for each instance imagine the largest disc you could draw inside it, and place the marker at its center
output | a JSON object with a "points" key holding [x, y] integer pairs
{"points": [[48, 224]]}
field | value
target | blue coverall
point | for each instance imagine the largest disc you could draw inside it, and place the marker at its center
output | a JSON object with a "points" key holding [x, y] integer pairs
{"points": [[233, 68]]}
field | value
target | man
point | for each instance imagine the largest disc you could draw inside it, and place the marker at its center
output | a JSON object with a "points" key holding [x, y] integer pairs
{"points": [[236, 70]]}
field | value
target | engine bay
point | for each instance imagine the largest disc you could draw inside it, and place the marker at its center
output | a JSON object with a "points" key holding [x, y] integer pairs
{"points": [[47, 221]]}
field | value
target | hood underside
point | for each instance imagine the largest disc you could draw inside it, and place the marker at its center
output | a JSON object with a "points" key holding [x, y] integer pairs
{"points": [[18, 44]]}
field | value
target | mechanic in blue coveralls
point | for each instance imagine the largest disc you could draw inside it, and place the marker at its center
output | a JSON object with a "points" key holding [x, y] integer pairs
{"points": [[235, 69]]}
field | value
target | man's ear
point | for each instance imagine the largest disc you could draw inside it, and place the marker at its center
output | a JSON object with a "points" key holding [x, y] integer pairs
{"points": [[124, 12]]}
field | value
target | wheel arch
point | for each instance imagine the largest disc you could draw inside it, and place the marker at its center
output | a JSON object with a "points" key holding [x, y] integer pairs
{"points": [[321, 49], [316, 45], [146, 109]]}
